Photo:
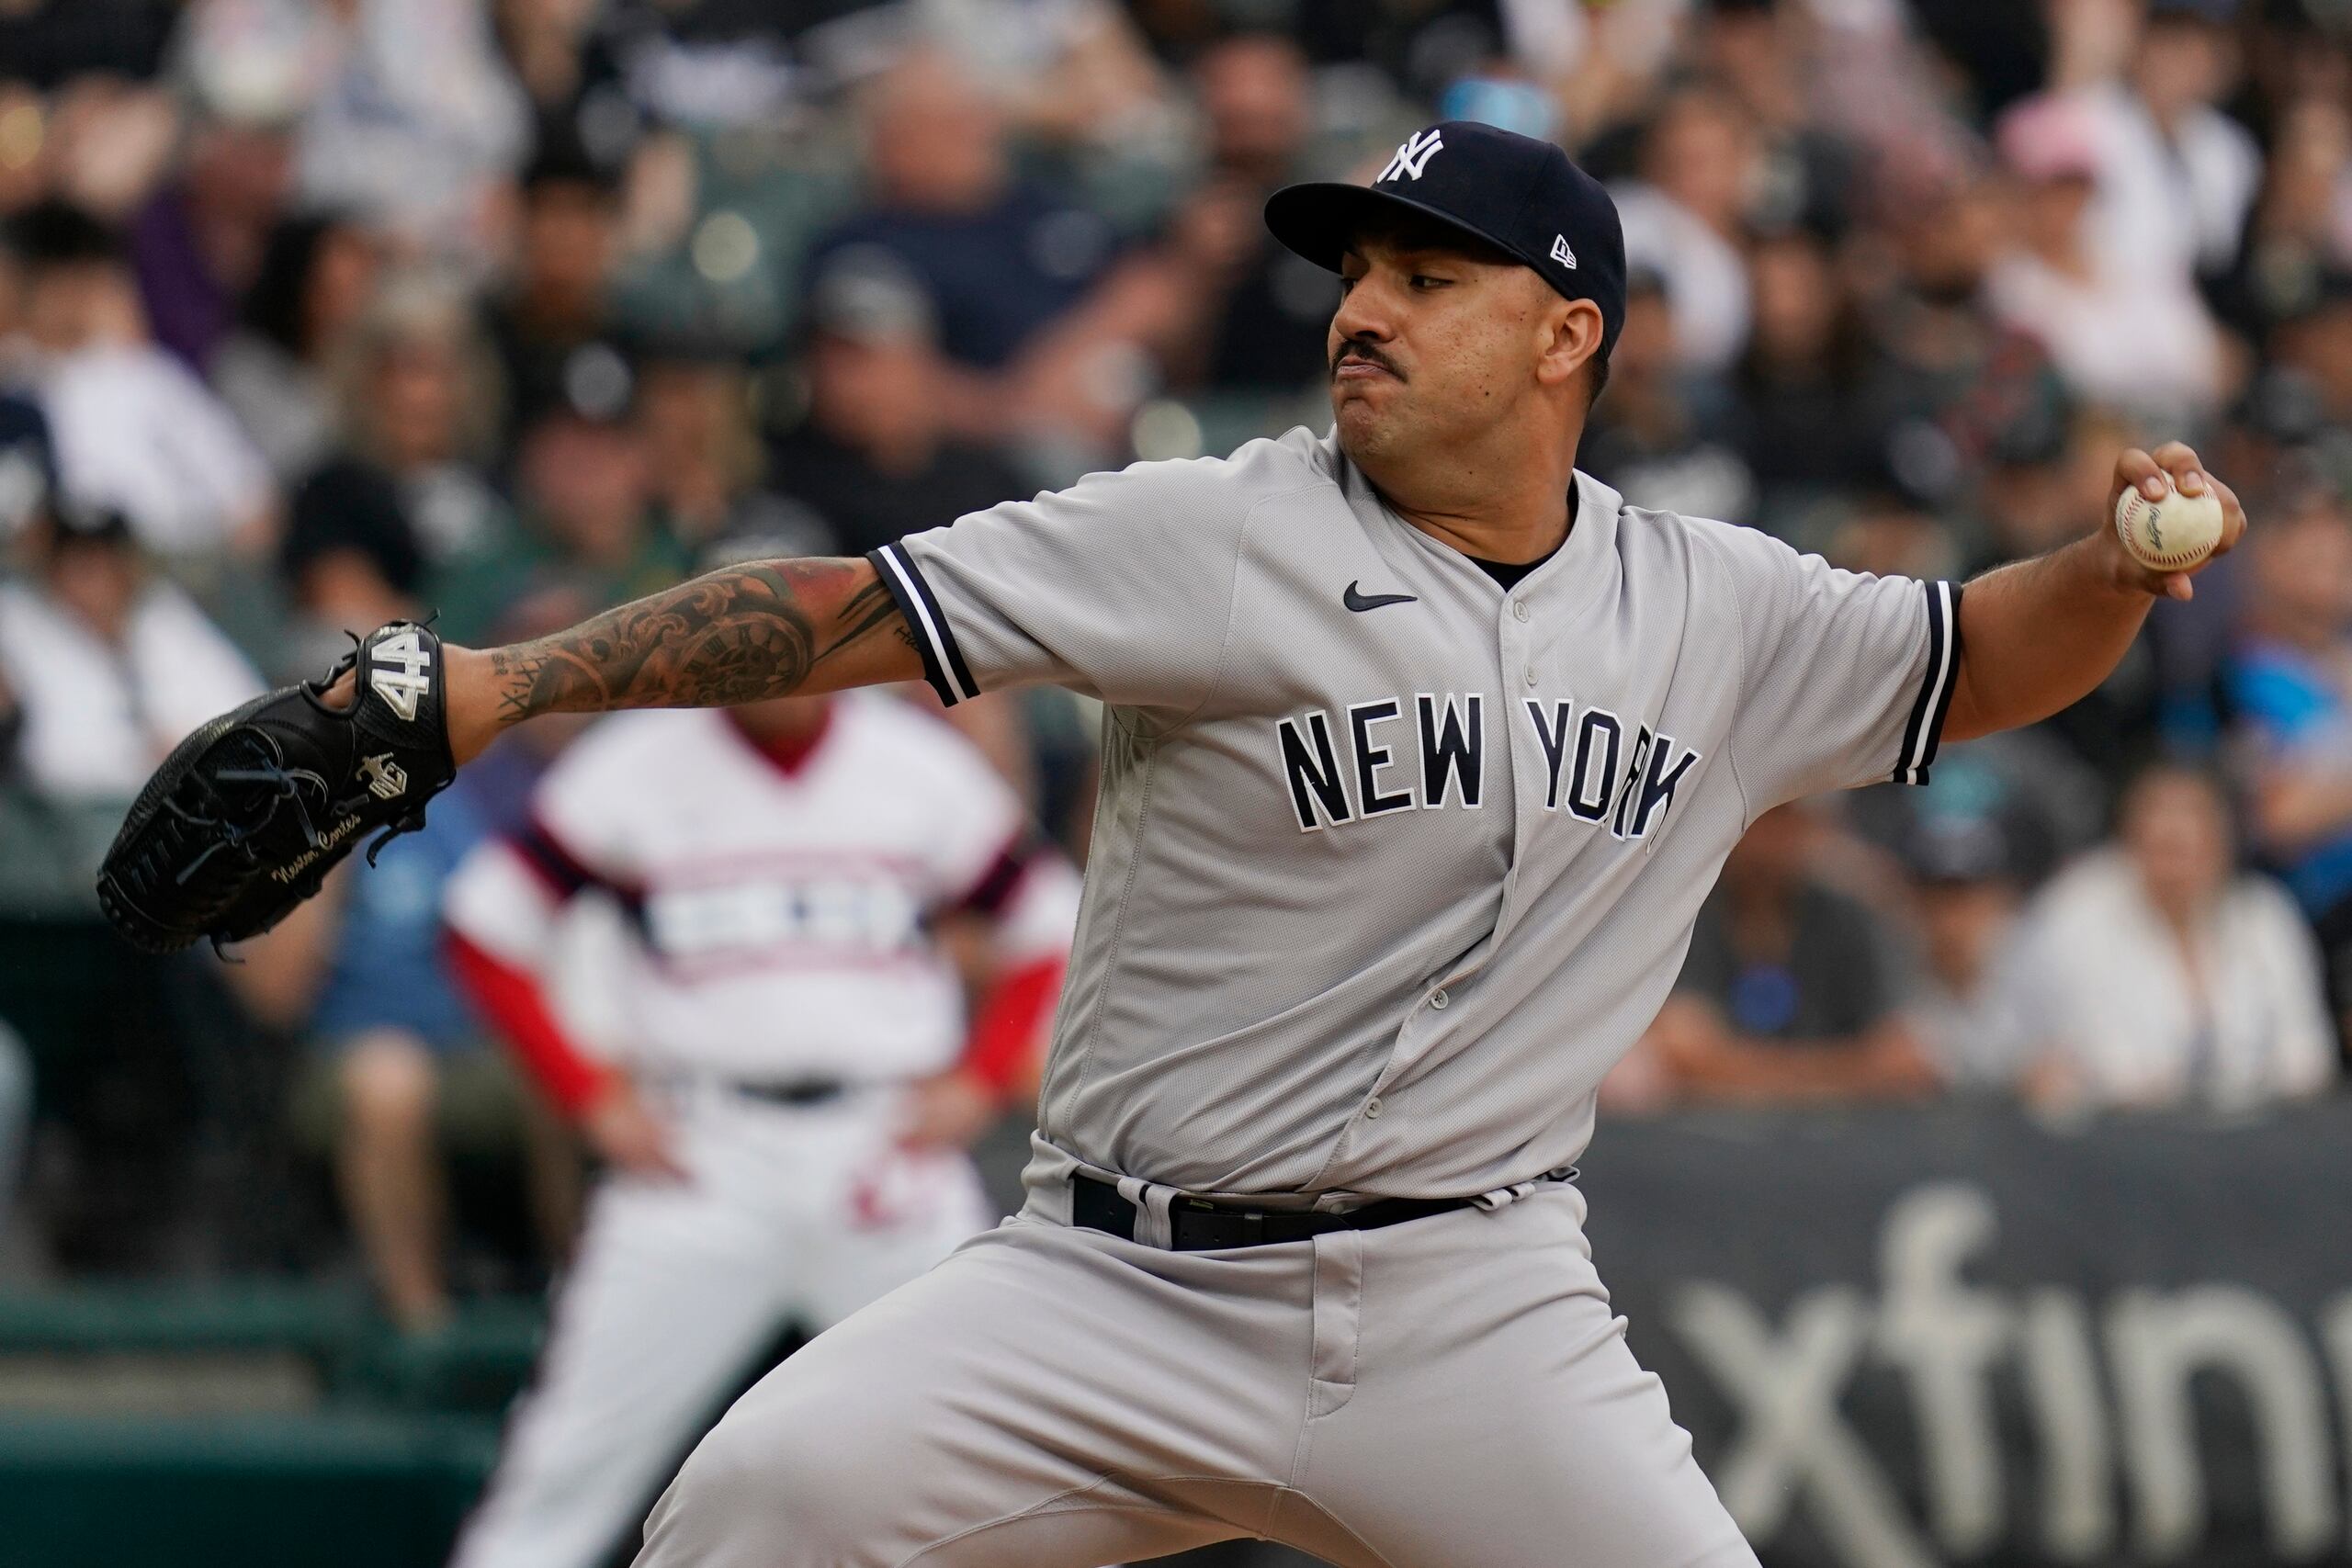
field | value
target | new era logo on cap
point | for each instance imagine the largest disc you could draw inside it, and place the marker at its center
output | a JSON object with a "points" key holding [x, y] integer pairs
{"points": [[1516, 194]]}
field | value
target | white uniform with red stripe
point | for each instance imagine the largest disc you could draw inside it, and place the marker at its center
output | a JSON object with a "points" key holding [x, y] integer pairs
{"points": [[781, 912]]}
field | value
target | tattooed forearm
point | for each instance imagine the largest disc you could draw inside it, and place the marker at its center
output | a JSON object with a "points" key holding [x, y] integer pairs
{"points": [[737, 636]]}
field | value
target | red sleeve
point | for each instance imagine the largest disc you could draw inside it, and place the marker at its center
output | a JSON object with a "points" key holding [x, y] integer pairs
{"points": [[511, 998], [1009, 1025]]}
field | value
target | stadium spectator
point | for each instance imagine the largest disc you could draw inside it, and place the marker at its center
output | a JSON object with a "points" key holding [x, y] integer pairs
{"points": [[1000, 259], [1789, 995], [110, 665], [2289, 683], [274, 368], [874, 458], [2301, 229], [2157, 974], [2127, 334], [199, 243], [408, 1067], [552, 325], [2177, 175], [1943, 365], [1965, 886], [694, 415], [2313, 338], [135, 430], [1655, 435], [1272, 308], [417, 398], [410, 118], [587, 502], [1686, 218], [106, 667], [350, 559], [1804, 430]]}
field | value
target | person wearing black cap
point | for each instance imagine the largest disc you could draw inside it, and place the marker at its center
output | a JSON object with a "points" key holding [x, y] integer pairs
{"points": [[1422, 750]]}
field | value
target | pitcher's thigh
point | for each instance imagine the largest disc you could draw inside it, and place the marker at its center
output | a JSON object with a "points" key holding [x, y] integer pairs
{"points": [[988, 1415], [1499, 1420]]}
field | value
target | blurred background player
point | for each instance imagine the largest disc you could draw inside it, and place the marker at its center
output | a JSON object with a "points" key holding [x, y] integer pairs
{"points": [[842, 948]]}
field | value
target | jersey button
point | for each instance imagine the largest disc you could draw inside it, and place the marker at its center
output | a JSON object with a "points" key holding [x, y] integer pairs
{"points": [[1372, 1109], [1531, 675], [1518, 608], [1438, 999]]}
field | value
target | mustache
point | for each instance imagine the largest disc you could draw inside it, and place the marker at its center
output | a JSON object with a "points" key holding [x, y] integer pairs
{"points": [[1370, 353]]}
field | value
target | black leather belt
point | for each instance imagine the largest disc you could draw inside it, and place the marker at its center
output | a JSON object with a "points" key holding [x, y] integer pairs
{"points": [[793, 1091], [1195, 1224]]}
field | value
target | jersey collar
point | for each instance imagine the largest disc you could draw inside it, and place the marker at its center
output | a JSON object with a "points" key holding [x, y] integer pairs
{"points": [[791, 758], [1575, 576]]}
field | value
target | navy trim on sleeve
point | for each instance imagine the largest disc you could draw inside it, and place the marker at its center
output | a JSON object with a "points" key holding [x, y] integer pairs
{"points": [[943, 661], [1925, 729], [564, 873], [996, 885]]}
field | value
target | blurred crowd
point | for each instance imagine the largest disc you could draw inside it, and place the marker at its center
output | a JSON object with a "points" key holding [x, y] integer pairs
{"points": [[317, 313]]}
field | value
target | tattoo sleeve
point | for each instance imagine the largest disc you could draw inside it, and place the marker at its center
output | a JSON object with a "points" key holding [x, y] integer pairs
{"points": [[762, 629]]}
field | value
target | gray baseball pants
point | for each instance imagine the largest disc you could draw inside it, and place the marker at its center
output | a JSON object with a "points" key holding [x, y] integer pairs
{"points": [[1449, 1393]]}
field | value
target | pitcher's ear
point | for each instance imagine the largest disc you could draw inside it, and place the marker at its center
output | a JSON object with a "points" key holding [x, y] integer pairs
{"points": [[1573, 329]]}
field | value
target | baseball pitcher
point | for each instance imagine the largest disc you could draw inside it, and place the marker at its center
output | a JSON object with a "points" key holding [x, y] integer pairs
{"points": [[1422, 749]]}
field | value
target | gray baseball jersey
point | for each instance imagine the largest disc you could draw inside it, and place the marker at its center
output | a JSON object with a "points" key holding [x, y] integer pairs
{"points": [[1391, 864]]}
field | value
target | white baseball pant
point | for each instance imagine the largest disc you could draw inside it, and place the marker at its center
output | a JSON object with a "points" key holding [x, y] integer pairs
{"points": [[1449, 1393], [794, 1214]]}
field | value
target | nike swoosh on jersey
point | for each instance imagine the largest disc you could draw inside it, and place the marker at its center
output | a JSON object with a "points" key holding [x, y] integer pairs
{"points": [[1356, 599]]}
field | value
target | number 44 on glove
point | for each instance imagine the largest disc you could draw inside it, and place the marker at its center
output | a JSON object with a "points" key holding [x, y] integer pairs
{"points": [[248, 814]]}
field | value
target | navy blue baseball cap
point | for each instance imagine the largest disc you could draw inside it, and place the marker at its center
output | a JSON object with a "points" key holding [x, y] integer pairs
{"points": [[1521, 195]]}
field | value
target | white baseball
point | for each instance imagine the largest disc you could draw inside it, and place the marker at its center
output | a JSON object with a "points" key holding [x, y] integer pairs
{"points": [[2171, 535]]}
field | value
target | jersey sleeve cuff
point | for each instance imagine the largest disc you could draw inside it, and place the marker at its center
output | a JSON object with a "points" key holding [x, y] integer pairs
{"points": [[943, 661], [1924, 731]]}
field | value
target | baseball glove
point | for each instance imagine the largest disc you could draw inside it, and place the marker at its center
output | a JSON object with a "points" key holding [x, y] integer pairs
{"points": [[248, 814]]}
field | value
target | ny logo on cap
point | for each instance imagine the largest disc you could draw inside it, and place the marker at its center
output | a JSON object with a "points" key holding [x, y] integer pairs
{"points": [[1560, 253], [1412, 157]]}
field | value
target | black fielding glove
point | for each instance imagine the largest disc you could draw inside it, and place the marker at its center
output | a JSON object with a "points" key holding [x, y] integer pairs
{"points": [[247, 817]]}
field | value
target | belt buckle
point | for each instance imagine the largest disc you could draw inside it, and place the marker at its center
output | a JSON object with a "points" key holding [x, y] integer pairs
{"points": [[1195, 1224]]}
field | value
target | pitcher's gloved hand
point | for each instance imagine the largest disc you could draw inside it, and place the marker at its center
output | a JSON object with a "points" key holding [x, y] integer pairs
{"points": [[247, 817]]}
